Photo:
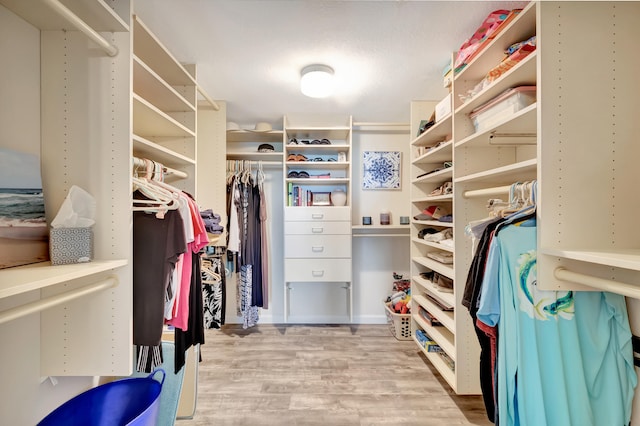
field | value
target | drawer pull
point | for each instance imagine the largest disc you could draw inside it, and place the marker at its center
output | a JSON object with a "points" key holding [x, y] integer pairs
{"points": [[317, 249], [317, 273], [317, 215], [317, 230]]}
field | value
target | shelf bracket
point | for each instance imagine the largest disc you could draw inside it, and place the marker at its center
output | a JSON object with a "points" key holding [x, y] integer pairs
{"points": [[49, 302]]}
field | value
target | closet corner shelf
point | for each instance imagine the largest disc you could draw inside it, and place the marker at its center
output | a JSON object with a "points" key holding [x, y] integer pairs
{"points": [[433, 198], [441, 268], [438, 176], [445, 317], [255, 156], [443, 337], [434, 223], [621, 258], [436, 359], [436, 155], [26, 278], [380, 230], [144, 148], [432, 244]]}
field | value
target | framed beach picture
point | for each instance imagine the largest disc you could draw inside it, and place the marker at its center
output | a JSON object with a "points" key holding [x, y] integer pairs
{"points": [[381, 169], [24, 236]]}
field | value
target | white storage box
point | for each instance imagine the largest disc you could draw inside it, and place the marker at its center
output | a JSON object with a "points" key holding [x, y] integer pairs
{"points": [[443, 108], [502, 106]]}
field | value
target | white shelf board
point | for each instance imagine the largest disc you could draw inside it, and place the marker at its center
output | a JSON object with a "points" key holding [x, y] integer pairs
{"points": [[252, 136], [523, 74], [436, 133], [380, 230], [436, 359], [149, 121], [439, 176], [96, 13], [621, 258], [432, 244], [149, 49], [312, 181], [433, 223], [144, 148], [445, 317], [150, 86], [523, 121], [436, 155], [311, 133], [434, 265], [521, 28], [447, 299], [254, 156], [443, 337], [433, 198], [505, 174], [26, 278], [317, 165]]}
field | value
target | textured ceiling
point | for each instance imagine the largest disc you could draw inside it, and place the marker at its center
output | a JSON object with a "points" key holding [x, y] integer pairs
{"points": [[249, 53]]}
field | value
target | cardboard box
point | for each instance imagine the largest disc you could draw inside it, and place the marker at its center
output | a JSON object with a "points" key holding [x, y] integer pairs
{"points": [[443, 108], [70, 245]]}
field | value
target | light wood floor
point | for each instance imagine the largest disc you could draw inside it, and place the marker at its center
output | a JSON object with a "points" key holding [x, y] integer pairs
{"points": [[328, 375]]}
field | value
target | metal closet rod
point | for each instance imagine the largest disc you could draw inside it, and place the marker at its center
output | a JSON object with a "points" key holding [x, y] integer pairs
{"points": [[82, 26], [49, 302], [618, 287], [141, 163]]}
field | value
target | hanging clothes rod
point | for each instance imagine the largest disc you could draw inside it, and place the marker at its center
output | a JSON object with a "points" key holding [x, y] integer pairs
{"points": [[618, 287], [49, 302], [82, 26], [498, 190], [211, 102], [139, 162]]}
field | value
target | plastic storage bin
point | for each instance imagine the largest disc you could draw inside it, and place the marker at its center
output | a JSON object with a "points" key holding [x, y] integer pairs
{"points": [[399, 324], [123, 402], [502, 106]]}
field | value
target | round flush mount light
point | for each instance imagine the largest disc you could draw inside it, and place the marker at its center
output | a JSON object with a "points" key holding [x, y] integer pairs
{"points": [[316, 81]]}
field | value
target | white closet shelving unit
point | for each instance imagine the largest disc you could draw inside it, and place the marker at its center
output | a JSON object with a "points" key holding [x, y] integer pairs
{"points": [[588, 150], [317, 241], [84, 121], [430, 150], [243, 145]]}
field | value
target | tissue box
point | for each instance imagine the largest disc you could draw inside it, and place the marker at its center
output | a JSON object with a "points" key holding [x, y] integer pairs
{"points": [[70, 245]]}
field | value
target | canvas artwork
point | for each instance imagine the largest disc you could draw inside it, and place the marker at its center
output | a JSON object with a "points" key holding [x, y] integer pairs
{"points": [[23, 227], [381, 170]]}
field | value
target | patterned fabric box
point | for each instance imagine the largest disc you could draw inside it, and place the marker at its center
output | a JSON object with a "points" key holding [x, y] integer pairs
{"points": [[70, 245]]}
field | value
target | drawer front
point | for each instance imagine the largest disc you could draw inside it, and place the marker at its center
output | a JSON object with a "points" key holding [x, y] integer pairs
{"points": [[317, 214], [317, 270], [316, 228], [317, 246]]}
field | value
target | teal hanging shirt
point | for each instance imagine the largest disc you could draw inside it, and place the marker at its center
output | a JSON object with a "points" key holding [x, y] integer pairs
{"points": [[564, 358]]}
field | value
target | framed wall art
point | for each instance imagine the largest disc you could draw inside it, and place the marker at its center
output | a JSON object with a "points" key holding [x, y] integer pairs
{"points": [[381, 169]]}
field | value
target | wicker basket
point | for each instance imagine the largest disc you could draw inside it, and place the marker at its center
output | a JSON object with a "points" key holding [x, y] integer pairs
{"points": [[399, 324]]}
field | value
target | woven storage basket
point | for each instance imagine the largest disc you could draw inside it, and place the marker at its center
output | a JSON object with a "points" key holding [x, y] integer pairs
{"points": [[399, 324]]}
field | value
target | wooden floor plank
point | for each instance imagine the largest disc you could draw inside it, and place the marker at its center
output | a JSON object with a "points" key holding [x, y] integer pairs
{"points": [[333, 375]]}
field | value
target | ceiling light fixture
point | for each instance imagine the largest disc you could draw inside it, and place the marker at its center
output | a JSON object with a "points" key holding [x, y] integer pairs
{"points": [[316, 81]]}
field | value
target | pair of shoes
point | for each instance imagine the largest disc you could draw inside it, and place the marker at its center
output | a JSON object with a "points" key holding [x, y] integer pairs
{"points": [[294, 141], [444, 189], [293, 174], [442, 283], [432, 213], [318, 142], [296, 157]]}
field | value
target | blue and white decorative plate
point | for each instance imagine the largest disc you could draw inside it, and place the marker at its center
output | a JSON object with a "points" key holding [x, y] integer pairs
{"points": [[381, 170]]}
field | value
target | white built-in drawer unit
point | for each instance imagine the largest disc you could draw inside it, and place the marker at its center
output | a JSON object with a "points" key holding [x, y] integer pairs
{"points": [[303, 270], [317, 246], [296, 214], [317, 228]]}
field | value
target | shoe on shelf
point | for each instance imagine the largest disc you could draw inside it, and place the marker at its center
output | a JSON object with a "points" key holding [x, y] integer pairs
{"points": [[432, 213]]}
